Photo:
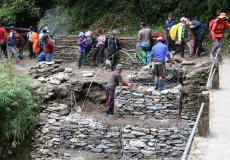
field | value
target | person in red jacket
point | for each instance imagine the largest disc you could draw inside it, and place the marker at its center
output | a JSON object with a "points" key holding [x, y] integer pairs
{"points": [[217, 32], [3, 37], [47, 50]]}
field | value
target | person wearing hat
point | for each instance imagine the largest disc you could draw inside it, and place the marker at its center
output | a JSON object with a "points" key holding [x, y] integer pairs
{"points": [[32, 36], [113, 81], [11, 44], [112, 48], [181, 36], [82, 43], [217, 32], [169, 23], [157, 57], [145, 35], [100, 47], [198, 31]]}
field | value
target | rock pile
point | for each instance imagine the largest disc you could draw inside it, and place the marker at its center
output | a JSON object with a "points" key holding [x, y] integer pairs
{"points": [[50, 72]]}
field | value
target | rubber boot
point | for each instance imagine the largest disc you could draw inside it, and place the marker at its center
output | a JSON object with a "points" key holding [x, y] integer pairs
{"points": [[156, 83], [160, 85]]}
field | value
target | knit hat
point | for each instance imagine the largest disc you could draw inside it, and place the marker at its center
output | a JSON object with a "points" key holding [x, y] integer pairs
{"points": [[99, 30]]}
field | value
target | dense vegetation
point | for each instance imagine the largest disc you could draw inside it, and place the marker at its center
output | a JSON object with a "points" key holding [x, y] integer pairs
{"points": [[16, 106], [111, 13]]}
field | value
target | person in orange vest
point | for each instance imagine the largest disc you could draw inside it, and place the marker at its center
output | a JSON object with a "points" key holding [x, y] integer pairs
{"points": [[3, 37], [217, 32], [32, 36]]}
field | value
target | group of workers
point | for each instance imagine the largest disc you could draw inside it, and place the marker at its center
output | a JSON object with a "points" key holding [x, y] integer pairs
{"points": [[158, 52]]}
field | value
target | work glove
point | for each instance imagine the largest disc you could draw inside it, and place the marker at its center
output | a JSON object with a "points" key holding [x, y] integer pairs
{"points": [[213, 39]]}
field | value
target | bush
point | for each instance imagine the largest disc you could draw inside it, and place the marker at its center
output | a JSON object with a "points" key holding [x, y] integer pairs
{"points": [[16, 108]]}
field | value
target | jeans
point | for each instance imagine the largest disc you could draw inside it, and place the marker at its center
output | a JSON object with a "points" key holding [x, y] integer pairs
{"points": [[181, 49], [217, 44], [13, 51], [147, 50], [198, 40], [99, 50], [81, 59], [42, 56]]}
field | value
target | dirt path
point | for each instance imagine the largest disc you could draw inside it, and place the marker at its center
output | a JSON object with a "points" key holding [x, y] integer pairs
{"points": [[216, 146]]}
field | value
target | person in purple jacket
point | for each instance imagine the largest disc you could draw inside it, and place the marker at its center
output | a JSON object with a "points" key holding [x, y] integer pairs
{"points": [[82, 42]]}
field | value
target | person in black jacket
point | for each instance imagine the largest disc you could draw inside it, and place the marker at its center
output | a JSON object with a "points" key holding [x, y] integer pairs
{"points": [[113, 46]]}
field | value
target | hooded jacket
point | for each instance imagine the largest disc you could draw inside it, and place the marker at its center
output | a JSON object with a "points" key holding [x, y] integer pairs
{"points": [[198, 27], [2, 34], [218, 28], [82, 44]]}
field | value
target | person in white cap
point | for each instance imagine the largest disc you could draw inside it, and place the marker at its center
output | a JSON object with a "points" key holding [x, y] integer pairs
{"points": [[157, 56], [217, 32], [82, 43], [113, 81], [180, 36]]}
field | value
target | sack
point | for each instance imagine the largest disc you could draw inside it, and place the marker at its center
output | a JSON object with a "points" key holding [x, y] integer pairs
{"points": [[173, 32], [35, 46]]}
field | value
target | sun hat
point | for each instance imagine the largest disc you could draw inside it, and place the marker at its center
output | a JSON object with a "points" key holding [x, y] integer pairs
{"points": [[119, 66], [222, 15], [81, 34], [183, 19]]}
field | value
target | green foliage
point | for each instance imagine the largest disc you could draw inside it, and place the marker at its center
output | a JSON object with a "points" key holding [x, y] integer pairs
{"points": [[16, 105]]}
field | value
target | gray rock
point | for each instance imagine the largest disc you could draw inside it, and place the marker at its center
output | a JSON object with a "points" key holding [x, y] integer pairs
{"points": [[137, 133]]}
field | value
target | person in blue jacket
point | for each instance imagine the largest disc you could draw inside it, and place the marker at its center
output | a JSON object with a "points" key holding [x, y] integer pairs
{"points": [[198, 32], [157, 56], [169, 23]]}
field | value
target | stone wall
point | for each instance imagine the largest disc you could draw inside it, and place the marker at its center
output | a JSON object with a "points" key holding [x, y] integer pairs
{"points": [[66, 50], [145, 103]]}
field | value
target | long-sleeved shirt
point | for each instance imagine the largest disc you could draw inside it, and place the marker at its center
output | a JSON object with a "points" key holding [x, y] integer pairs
{"points": [[168, 25], [2, 35], [159, 51], [101, 40], [48, 47], [82, 45], [11, 41], [180, 31], [113, 45], [197, 27], [218, 28]]}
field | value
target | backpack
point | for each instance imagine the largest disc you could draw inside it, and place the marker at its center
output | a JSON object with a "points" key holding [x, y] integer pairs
{"points": [[210, 25], [35, 46], [90, 41], [173, 32]]}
